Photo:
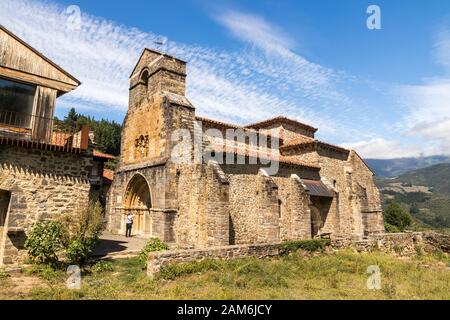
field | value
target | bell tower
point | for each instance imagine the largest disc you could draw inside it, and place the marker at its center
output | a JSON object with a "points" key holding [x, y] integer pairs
{"points": [[157, 73], [156, 80]]}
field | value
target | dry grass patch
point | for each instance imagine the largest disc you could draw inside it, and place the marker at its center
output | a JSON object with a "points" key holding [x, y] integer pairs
{"points": [[341, 275]]}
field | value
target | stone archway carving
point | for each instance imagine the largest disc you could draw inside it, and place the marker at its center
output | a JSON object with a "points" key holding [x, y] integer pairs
{"points": [[138, 201]]}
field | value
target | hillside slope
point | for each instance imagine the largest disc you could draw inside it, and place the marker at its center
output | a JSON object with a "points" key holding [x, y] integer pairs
{"points": [[396, 167], [424, 192]]}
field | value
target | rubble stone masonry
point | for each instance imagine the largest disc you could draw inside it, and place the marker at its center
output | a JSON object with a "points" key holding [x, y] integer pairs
{"points": [[44, 185], [197, 204]]}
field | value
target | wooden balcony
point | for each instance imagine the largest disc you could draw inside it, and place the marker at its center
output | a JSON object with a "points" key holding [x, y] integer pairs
{"points": [[38, 132]]}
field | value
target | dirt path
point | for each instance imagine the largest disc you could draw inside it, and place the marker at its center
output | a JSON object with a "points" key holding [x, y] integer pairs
{"points": [[118, 245], [18, 286]]}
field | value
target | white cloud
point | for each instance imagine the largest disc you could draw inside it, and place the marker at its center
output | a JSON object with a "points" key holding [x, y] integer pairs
{"points": [[428, 103], [263, 80], [380, 148], [256, 30], [238, 86]]}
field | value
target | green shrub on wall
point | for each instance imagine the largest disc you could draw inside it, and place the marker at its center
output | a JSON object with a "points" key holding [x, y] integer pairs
{"points": [[307, 245], [154, 244], [68, 241]]}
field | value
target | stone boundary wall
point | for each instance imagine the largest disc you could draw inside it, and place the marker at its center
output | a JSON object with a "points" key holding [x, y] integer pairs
{"points": [[400, 244], [436, 241], [156, 260]]}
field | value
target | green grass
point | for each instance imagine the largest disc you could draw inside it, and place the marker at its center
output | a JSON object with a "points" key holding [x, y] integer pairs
{"points": [[339, 275]]}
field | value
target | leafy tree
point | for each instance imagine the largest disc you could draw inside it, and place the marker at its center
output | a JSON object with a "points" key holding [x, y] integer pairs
{"points": [[396, 216], [414, 209], [107, 133]]}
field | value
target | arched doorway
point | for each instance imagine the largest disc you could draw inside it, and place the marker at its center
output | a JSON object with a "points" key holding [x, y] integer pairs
{"points": [[138, 201], [316, 221]]}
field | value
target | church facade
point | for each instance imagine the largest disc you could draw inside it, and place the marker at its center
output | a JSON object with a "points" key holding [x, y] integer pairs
{"points": [[198, 182]]}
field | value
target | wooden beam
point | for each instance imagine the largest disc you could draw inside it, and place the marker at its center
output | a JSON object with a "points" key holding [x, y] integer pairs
{"points": [[84, 143], [15, 75]]}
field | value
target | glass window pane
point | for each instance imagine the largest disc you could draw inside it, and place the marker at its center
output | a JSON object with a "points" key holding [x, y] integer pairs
{"points": [[16, 103]]}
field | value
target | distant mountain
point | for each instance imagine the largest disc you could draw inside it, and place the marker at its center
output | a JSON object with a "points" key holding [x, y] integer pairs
{"points": [[396, 167], [436, 178], [424, 192]]}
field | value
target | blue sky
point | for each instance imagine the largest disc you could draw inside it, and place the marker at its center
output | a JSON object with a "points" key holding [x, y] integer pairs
{"points": [[384, 92]]}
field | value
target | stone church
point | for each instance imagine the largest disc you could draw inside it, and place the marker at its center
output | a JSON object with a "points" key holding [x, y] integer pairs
{"points": [[318, 189]]}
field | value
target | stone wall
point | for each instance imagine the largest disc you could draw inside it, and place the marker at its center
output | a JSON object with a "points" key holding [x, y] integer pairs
{"points": [[295, 215], [203, 211], [44, 185], [157, 260], [254, 209], [243, 209], [144, 138], [436, 241], [333, 168], [400, 244], [155, 177], [367, 195]]}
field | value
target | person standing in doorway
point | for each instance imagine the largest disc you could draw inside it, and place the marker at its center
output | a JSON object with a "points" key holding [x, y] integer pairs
{"points": [[129, 224]]}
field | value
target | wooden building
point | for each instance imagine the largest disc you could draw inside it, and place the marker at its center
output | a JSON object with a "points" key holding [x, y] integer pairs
{"points": [[45, 172]]}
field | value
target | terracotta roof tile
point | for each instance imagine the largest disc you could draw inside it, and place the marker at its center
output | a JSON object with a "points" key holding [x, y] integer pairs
{"points": [[298, 141], [261, 154], [99, 154], [219, 123], [270, 121], [108, 176], [305, 142]]}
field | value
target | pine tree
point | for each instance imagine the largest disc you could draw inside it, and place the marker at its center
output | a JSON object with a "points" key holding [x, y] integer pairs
{"points": [[107, 133]]}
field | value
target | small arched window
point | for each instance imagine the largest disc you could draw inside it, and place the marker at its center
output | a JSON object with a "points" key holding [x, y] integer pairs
{"points": [[144, 78], [280, 208]]}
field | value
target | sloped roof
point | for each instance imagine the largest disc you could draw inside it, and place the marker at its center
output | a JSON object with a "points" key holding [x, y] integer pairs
{"points": [[108, 176], [146, 50], [218, 123], [305, 141], [281, 119], [261, 154], [318, 188], [99, 154], [76, 82]]}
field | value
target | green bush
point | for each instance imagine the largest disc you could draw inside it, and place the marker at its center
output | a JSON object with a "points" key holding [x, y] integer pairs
{"points": [[74, 237], [396, 216], [307, 245], [154, 244], [172, 271], [46, 242], [103, 266], [84, 229], [79, 251], [391, 229]]}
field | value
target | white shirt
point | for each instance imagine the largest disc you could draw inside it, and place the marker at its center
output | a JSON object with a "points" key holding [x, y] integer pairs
{"points": [[129, 218]]}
